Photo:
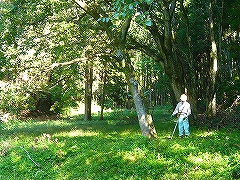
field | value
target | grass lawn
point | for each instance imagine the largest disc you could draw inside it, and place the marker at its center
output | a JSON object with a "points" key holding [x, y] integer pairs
{"points": [[73, 149]]}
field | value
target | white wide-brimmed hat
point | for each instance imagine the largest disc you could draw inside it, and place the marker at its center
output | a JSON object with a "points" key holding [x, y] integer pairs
{"points": [[183, 97]]}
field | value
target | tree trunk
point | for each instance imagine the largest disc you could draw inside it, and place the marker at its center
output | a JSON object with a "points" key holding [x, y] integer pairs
{"points": [[103, 93], [213, 65], [145, 120], [119, 41], [88, 91], [189, 66]]}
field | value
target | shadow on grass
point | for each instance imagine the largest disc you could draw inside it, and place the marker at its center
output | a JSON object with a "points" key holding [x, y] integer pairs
{"points": [[36, 128], [97, 150], [129, 156]]}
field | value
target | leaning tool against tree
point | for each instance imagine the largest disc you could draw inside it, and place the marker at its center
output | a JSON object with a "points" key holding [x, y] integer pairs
{"points": [[183, 110]]}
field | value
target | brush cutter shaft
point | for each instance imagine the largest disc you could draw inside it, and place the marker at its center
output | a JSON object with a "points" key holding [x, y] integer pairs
{"points": [[174, 129]]}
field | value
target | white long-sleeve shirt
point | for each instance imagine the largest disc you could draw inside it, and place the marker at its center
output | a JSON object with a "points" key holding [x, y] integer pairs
{"points": [[183, 109]]}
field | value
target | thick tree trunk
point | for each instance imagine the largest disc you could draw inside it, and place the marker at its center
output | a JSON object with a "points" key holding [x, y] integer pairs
{"points": [[179, 70], [119, 41], [145, 120]]}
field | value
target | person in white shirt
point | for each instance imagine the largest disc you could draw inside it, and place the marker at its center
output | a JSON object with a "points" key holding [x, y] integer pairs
{"points": [[183, 110]]}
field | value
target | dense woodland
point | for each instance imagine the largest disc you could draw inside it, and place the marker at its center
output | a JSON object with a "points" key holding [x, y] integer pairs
{"points": [[126, 54]]}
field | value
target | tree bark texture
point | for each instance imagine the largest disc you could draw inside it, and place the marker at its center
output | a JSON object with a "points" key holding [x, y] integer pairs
{"points": [[213, 64], [145, 120], [88, 91], [118, 40], [104, 79], [185, 75]]}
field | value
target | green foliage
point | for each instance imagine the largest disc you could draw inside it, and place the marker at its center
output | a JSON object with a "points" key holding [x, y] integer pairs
{"points": [[13, 99], [152, 78], [36, 34], [231, 14], [236, 172], [129, 9], [73, 149], [115, 90], [228, 92]]}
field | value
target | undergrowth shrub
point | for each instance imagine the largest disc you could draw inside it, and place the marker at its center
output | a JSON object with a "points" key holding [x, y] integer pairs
{"points": [[224, 117], [122, 116], [236, 172]]}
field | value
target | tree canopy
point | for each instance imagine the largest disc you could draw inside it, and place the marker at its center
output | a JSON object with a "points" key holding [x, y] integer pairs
{"points": [[147, 51]]}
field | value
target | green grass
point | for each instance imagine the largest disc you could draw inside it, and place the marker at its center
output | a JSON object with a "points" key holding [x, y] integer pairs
{"points": [[74, 149]]}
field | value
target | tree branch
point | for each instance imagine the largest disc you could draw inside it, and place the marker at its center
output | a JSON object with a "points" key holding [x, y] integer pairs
{"points": [[147, 50], [172, 8], [95, 11], [51, 67]]}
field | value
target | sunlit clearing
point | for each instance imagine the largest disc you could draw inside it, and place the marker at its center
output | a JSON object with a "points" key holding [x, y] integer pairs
{"points": [[126, 133], [178, 147], [206, 134], [80, 110]]}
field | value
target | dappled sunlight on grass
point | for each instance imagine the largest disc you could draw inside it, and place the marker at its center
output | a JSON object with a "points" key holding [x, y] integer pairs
{"points": [[72, 149], [177, 147], [209, 164], [208, 159], [133, 155], [207, 134], [182, 148]]}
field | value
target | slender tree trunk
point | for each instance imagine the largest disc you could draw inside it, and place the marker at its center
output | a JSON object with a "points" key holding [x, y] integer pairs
{"points": [[88, 91], [189, 66], [213, 64], [238, 66], [103, 93], [144, 118]]}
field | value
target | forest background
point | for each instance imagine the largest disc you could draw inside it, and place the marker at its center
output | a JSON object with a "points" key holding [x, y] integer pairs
{"points": [[57, 55], [78, 78]]}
